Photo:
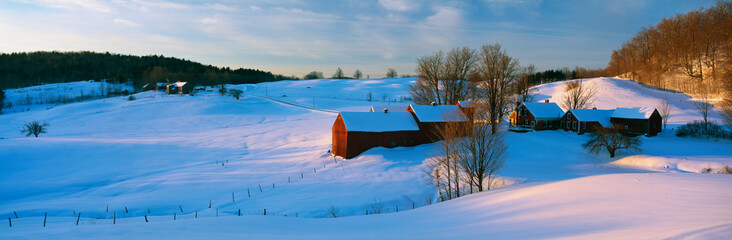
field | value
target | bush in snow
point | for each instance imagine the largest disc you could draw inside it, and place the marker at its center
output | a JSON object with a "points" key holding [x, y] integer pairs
{"points": [[724, 170], [34, 128], [131, 98], [334, 212], [222, 90], [2, 98], [702, 129], [236, 93]]}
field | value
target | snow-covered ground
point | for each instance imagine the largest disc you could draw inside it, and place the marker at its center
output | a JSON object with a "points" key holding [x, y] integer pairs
{"points": [[49, 95], [171, 154]]}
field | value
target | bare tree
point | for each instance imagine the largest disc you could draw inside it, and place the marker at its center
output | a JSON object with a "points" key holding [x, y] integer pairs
{"points": [[665, 110], [578, 95], [494, 72], [524, 83], [223, 90], [357, 74], [236, 93], [455, 74], [611, 140], [443, 169], [482, 156], [313, 75], [426, 88], [391, 73], [34, 128], [338, 74]]}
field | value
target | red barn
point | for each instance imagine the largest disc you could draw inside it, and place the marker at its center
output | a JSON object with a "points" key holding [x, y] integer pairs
{"points": [[431, 118], [356, 132], [638, 120], [537, 116], [585, 120]]}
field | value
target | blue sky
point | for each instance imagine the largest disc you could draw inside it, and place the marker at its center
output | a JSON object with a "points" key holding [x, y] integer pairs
{"points": [[293, 37]]}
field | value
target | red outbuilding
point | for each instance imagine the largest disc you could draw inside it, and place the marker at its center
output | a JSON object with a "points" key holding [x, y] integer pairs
{"points": [[356, 132], [585, 120]]}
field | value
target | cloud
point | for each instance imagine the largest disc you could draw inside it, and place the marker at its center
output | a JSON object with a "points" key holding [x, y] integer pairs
{"points": [[74, 4], [446, 17], [255, 8], [398, 5], [125, 22]]}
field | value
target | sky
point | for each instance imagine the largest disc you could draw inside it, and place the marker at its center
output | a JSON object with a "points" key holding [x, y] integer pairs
{"points": [[294, 37]]}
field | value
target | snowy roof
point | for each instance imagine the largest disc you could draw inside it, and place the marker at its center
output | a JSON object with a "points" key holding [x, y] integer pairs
{"points": [[394, 108], [633, 113], [594, 115], [379, 121], [438, 113], [466, 104], [179, 84], [163, 84], [544, 110]]}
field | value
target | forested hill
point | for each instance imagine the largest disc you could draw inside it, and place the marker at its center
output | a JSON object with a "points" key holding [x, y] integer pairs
{"points": [[34, 68]]}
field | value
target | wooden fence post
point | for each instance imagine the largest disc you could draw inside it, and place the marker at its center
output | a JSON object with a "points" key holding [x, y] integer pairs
{"points": [[239, 211], [265, 212], [126, 210], [175, 216], [77, 219], [16, 215], [146, 218], [115, 218], [196, 214], [45, 214], [179, 206], [10, 222], [260, 187], [249, 193], [232, 197]]}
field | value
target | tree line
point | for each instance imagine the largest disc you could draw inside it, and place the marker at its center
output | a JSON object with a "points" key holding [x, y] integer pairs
{"points": [[688, 52], [34, 68]]}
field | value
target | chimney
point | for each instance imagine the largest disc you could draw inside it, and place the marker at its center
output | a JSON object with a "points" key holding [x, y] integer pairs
{"points": [[546, 100], [433, 104], [594, 108], [386, 110]]}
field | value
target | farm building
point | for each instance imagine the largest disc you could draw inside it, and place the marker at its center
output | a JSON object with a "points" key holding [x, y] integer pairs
{"points": [[637, 120], [179, 88], [431, 118], [536, 116], [585, 120], [393, 108], [356, 132], [468, 108]]}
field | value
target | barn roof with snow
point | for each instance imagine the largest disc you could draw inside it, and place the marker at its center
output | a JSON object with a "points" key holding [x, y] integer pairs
{"points": [[179, 84], [438, 113], [391, 108], [379, 121], [544, 110], [593, 115], [633, 113]]}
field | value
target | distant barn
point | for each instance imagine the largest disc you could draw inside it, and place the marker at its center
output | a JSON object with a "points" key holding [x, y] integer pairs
{"points": [[356, 132], [468, 108], [179, 88], [637, 120]]}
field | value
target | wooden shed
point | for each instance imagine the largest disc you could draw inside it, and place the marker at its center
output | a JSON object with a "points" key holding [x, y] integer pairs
{"points": [[468, 108], [646, 121], [431, 118], [356, 132]]}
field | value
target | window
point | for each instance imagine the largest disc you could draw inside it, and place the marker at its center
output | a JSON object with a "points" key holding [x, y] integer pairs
{"points": [[533, 123], [526, 121], [574, 125], [584, 125], [626, 127], [569, 116], [561, 124]]}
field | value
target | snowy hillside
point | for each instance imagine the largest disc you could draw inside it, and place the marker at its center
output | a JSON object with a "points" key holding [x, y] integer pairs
{"points": [[43, 96], [162, 155]]}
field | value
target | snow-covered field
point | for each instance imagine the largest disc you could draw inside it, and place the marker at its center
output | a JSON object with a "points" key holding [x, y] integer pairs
{"points": [[166, 154]]}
